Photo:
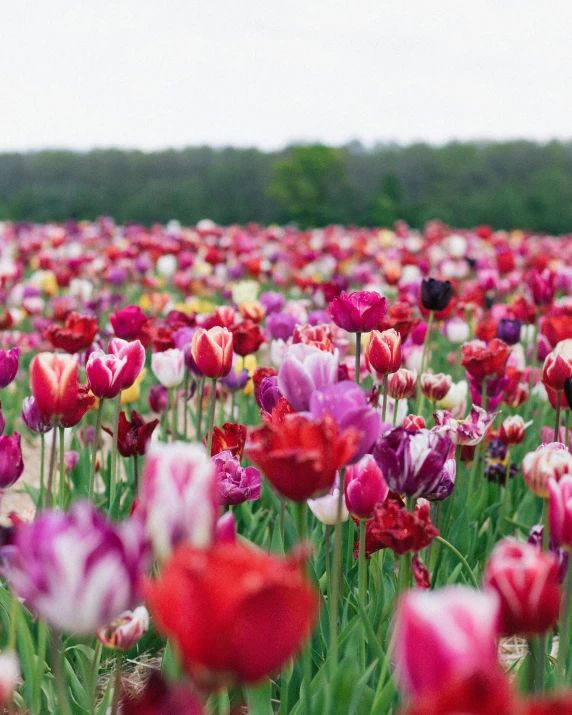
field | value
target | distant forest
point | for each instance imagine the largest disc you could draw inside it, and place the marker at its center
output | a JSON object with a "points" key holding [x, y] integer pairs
{"points": [[516, 184]]}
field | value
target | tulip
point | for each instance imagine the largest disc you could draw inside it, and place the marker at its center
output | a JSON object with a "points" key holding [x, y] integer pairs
{"points": [[225, 530], [125, 630], [509, 331], [9, 361], [236, 381], [435, 387], [542, 285], [11, 462], [127, 322], [456, 399], [269, 394], [272, 301], [247, 337], [485, 362], [443, 635], [54, 382], [300, 458], [513, 430], [177, 496], [159, 698], [106, 558], [557, 366], [78, 333], [158, 398], [235, 484], [394, 527], [212, 351], [414, 422], [134, 355], [435, 294], [550, 461], [133, 437], [446, 484], [364, 487], [359, 312], [263, 603], [400, 318], [526, 581], [280, 326], [383, 352], [411, 460], [305, 369], [401, 385], [71, 460], [320, 336], [168, 367], [347, 403], [457, 331], [32, 418], [469, 431], [495, 391], [325, 508], [560, 511], [105, 374]]}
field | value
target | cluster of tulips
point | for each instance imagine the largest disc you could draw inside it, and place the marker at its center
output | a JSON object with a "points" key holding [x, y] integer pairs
{"points": [[285, 472]]}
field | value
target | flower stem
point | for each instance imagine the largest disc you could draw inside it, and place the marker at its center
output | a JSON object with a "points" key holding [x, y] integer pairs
{"points": [[336, 568], [59, 673], [362, 583], [306, 664], [14, 608], [395, 408], [358, 362], [42, 494], [212, 403], [51, 469], [173, 414], [117, 684], [94, 452], [93, 672], [564, 635], [384, 406], [200, 396], [61, 495], [40, 666], [557, 417], [113, 478], [185, 398]]}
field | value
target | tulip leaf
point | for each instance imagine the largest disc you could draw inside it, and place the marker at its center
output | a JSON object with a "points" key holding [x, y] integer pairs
{"points": [[258, 699]]}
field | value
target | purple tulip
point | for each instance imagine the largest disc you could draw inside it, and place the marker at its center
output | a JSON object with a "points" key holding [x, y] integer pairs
{"points": [[269, 394], [11, 462], [358, 312], [318, 317], [280, 326], [412, 460], [235, 381], [348, 405], [306, 368], [446, 484], [509, 330], [32, 418], [235, 484], [76, 569], [272, 301], [158, 398], [9, 360]]}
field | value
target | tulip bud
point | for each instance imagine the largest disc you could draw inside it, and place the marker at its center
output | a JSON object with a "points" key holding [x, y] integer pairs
{"points": [[365, 487], [435, 387], [212, 351], [325, 508], [169, 367], [551, 461], [509, 331], [456, 625], [413, 422], [560, 510], [401, 385], [123, 632], [435, 294], [526, 581], [513, 430], [9, 360], [71, 459], [158, 398], [32, 418], [383, 352], [11, 462]]}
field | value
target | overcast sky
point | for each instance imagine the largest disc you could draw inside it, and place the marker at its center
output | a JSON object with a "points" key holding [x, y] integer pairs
{"points": [[136, 73]]}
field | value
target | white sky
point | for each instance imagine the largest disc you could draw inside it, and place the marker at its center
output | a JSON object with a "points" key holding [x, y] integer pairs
{"points": [[155, 74]]}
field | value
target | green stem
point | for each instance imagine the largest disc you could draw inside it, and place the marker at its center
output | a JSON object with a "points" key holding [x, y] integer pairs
{"points": [[14, 609], [358, 362], [40, 665], [117, 685], [282, 516], [212, 404], [185, 416], [200, 396], [59, 673], [557, 417], [384, 406], [61, 497], [563, 642], [362, 583], [94, 452], [93, 673], [173, 414], [42, 494], [336, 581], [113, 478], [51, 469], [461, 558], [306, 663], [395, 408]]}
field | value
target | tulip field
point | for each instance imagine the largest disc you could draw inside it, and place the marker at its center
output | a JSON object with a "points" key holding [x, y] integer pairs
{"points": [[258, 470]]}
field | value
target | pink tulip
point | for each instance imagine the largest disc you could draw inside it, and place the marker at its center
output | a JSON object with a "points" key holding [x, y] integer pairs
{"points": [[560, 495], [365, 487]]}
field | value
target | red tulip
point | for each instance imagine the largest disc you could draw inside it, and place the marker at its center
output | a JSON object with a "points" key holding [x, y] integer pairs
{"points": [[231, 437], [558, 366], [263, 604], [300, 457], [435, 387], [401, 385], [247, 337], [127, 322], [54, 382], [78, 333], [513, 430], [484, 362], [383, 352], [400, 318], [527, 582], [133, 437], [212, 351]]}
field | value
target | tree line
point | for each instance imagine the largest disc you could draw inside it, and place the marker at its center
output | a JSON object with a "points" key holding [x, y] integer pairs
{"points": [[517, 184]]}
